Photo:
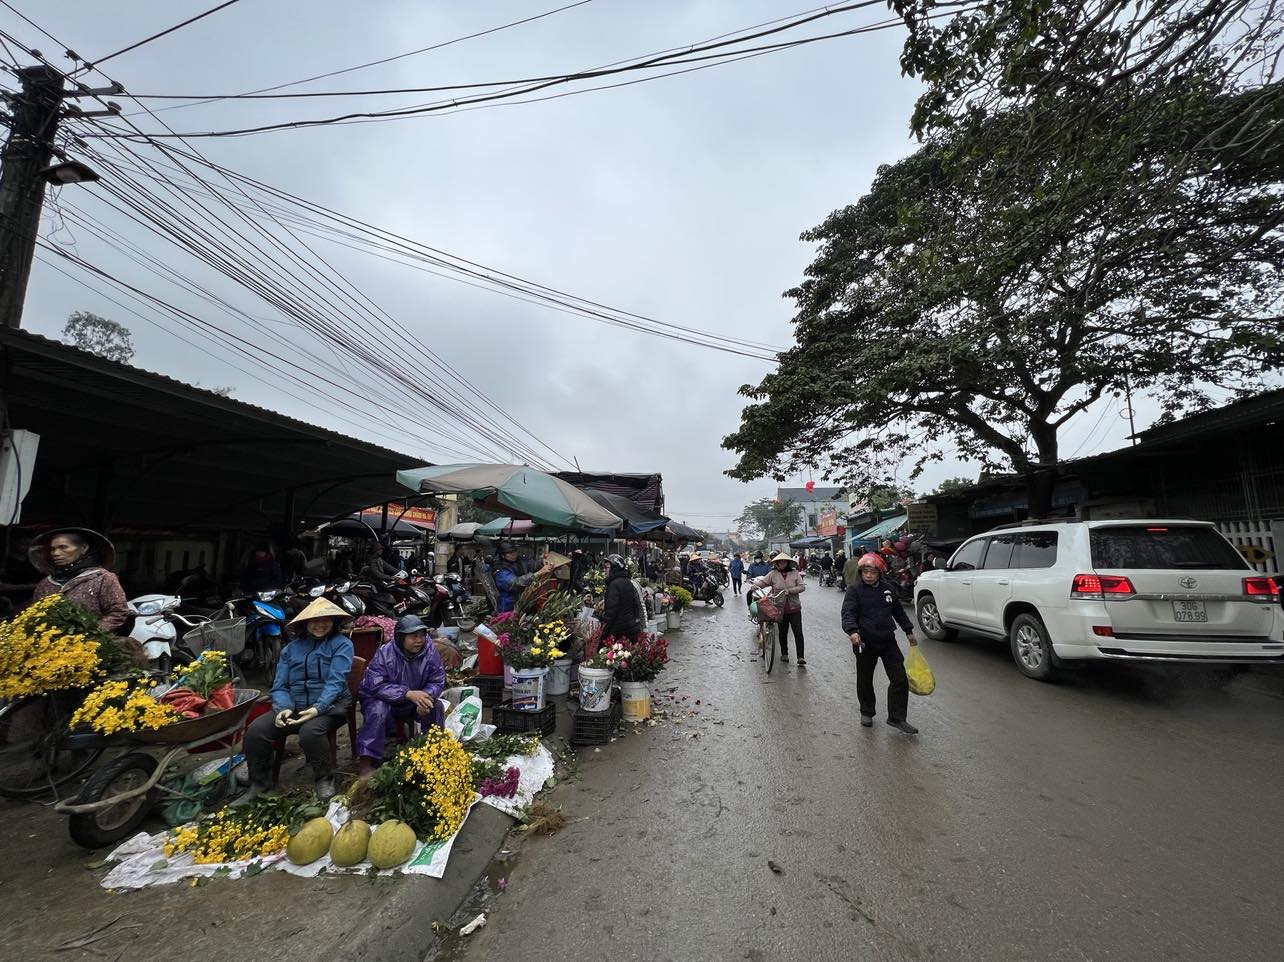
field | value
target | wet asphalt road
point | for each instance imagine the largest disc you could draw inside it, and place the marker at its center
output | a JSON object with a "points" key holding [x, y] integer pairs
{"points": [[1119, 816]]}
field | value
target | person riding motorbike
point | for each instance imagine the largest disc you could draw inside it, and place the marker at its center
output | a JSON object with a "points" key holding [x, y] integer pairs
{"points": [[696, 573]]}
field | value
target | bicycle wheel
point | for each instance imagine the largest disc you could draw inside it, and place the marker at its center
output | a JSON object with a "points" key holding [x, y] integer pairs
{"points": [[767, 639], [36, 755]]}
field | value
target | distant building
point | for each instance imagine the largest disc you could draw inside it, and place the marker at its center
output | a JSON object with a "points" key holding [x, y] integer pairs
{"points": [[816, 502]]}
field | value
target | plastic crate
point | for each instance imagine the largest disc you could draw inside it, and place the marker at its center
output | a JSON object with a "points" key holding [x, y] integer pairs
{"points": [[490, 687], [594, 727], [518, 721]]}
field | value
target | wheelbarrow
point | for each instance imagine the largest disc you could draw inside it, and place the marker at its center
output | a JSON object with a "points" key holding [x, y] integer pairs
{"points": [[119, 795]]}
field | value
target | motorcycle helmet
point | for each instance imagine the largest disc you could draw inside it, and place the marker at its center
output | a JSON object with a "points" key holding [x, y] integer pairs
{"points": [[407, 625], [871, 560], [616, 563], [505, 547]]}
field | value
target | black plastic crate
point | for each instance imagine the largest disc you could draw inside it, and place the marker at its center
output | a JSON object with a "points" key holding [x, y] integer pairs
{"points": [[594, 727], [516, 721], [490, 687]]}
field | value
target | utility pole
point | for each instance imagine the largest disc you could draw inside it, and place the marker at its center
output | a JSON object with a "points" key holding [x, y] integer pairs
{"points": [[22, 186]]}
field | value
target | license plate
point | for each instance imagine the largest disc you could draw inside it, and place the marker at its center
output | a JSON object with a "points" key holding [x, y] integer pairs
{"points": [[1189, 611]]}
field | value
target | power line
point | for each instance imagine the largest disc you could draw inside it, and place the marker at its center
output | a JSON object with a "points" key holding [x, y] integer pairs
{"points": [[685, 57], [214, 98], [156, 36]]}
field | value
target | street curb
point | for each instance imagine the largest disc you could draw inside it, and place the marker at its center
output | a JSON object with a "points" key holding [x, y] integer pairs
{"points": [[400, 929]]}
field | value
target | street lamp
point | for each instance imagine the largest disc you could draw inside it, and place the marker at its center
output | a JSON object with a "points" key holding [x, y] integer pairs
{"points": [[69, 172]]}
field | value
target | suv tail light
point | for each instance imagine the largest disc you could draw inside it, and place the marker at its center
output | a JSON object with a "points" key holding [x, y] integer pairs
{"points": [[1262, 589], [1101, 587]]}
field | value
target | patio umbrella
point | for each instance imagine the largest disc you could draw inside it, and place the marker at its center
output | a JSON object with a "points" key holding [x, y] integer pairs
{"points": [[464, 531], [355, 527], [674, 531], [516, 487], [506, 528], [637, 519]]}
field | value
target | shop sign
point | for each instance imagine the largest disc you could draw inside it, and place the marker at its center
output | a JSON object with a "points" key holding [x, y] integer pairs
{"points": [[921, 518]]}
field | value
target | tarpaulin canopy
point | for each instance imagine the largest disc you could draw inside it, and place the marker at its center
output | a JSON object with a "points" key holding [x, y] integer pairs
{"points": [[883, 528], [674, 531], [523, 490], [637, 520], [815, 541]]}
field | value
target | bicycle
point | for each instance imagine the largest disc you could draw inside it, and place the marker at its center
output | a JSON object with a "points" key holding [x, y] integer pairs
{"points": [[766, 634]]}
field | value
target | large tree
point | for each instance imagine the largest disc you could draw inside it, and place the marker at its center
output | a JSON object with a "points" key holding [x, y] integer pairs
{"points": [[99, 335], [1101, 222], [768, 519]]}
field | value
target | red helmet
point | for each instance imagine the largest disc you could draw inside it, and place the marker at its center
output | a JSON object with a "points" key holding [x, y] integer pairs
{"points": [[871, 560]]}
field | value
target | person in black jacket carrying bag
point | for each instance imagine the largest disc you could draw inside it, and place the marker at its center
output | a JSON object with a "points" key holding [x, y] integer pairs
{"points": [[871, 612], [623, 610]]}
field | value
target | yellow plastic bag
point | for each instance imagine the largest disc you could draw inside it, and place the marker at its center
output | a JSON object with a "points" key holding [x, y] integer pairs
{"points": [[921, 680]]}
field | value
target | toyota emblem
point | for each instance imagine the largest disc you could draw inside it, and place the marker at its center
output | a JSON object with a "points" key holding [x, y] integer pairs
{"points": [[1188, 582]]}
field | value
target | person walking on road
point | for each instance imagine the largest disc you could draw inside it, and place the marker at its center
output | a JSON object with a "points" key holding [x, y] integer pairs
{"points": [[784, 576], [737, 571], [871, 612]]}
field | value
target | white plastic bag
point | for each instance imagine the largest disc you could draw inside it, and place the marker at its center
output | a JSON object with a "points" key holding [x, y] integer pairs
{"points": [[464, 718]]}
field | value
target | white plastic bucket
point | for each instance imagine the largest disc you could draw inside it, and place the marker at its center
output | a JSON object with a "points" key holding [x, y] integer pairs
{"points": [[528, 688], [595, 688], [673, 619], [559, 678], [636, 699]]}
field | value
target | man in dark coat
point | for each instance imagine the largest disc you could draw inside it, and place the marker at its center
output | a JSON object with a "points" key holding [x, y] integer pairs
{"points": [[623, 610]]}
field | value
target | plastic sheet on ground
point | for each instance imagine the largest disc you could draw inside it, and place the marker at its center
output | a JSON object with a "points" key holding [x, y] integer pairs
{"points": [[141, 860]]}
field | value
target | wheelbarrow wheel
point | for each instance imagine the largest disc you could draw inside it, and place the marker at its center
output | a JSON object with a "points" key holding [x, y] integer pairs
{"points": [[112, 822]]}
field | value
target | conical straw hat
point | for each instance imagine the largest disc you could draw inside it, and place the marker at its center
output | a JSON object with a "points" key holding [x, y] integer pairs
{"points": [[321, 608]]}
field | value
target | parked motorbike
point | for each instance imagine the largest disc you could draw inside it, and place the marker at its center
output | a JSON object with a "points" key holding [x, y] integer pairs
{"points": [[451, 607], [265, 621], [155, 623], [718, 573], [827, 578]]}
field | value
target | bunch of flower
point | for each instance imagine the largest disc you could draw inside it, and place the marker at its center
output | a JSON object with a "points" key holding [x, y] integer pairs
{"points": [[532, 643], [594, 582], [505, 786], [609, 653], [428, 784], [124, 705], [647, 656], [235, 834], [679, 597], [206, 674], [54, 645]]}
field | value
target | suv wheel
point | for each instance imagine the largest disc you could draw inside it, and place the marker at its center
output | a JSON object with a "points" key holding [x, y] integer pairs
{"points": [[930, 620], [1031, 648]]}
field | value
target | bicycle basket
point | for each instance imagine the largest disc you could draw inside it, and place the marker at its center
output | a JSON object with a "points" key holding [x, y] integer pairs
{"points": [[768, 610], [227, 636]]}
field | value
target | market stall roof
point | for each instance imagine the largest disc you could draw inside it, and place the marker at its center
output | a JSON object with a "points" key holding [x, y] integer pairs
{"points": [[354, 526], [883, 528], [517, 488], [646, 490], [815, 541], [674, 531], [464, 531], [637, 520], [121, 446], [506, 528]]}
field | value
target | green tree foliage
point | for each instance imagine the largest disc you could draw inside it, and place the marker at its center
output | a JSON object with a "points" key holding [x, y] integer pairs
{"points": [[1097, 198], [953, 484], [768, 519], [99, 335]]}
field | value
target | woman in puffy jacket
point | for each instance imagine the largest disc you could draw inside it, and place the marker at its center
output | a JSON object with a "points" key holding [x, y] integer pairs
{"points": [[310, 698], [785, 577]]}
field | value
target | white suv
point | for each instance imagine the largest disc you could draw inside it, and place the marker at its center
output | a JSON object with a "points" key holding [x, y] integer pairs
{"points": [[1064, 591]]}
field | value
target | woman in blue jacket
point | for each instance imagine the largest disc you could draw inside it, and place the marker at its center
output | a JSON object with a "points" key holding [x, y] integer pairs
{"points": [[310, 698]]}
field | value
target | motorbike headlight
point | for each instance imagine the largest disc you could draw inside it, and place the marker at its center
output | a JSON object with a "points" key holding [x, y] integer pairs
{"points": [[266, 595], [317, 592], [150, 607]]}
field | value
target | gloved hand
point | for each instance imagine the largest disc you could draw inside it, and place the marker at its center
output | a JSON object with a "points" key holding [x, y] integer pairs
{"points": [[305, 715], [283, 717]]}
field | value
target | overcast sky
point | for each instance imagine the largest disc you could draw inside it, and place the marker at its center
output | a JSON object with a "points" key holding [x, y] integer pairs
{"points": [[681, 199]]}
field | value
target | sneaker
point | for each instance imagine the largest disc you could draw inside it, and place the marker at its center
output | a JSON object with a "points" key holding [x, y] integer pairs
{"points": [[903, 726], [325, 788], [802, 662], [867, 721], [785, 659]]}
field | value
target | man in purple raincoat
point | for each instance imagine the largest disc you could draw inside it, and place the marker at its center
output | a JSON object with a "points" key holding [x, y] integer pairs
{"points": [[402, 683]]}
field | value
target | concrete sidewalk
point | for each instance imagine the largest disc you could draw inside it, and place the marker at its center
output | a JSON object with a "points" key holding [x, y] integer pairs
{"points": [[51, 887]]}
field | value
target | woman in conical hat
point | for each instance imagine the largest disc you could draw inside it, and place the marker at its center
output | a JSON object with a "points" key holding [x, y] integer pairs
{"points": [[310, 697]]}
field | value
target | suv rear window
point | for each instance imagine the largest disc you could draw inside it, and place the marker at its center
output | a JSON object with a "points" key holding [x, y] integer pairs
{"points": [[1161, 546]]}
